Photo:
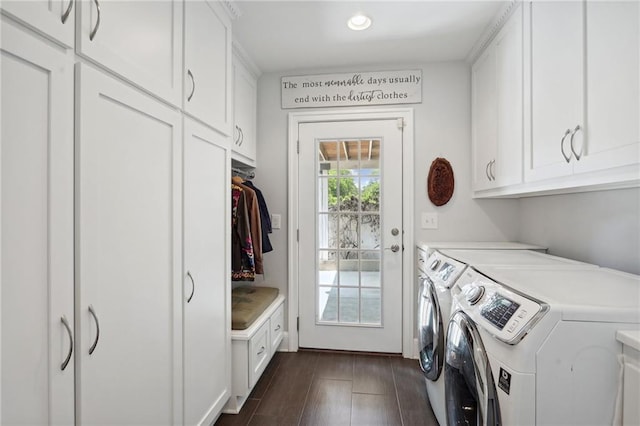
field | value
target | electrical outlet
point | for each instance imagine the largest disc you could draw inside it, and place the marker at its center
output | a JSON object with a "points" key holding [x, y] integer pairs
{"points": [[275, 221], [429, 220]]}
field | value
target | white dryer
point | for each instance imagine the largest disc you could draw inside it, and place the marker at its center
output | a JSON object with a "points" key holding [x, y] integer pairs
{"points": [[442, 270], [538, 345]]}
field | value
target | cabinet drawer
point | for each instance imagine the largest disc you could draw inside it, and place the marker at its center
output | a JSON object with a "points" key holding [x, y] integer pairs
{"points": [[277, 328], [259, 353]]}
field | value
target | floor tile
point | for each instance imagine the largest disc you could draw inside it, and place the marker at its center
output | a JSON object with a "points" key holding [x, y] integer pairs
{"points": [[328, 403], [373, 410], [372, 374]]}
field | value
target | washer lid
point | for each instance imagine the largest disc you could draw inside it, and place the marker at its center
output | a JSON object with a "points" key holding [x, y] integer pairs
{"points": [[598, 294], [480, 258]]}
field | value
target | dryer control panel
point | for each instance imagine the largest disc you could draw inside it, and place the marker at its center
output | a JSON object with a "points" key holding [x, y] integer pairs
{"points": [[501, 311]]}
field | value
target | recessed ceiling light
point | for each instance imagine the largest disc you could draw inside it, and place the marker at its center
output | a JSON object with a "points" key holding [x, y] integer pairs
{"points": [[359, 22]]}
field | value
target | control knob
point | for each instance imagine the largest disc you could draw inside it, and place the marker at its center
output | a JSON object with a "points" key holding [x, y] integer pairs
{"points": [[435, 264], [474, 293]]}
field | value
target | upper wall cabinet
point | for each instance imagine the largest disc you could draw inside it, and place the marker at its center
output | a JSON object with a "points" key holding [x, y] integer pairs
{"points": [[53, 18], [140, 40], [497, 106], [245, 95], [584, 92], [207, 64]]}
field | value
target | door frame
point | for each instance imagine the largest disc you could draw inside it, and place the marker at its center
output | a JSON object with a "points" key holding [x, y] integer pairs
{"points": [[408, 302]]}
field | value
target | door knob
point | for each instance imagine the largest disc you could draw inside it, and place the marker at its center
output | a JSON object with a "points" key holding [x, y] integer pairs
{"points": [[395, 232], [394, 248]]}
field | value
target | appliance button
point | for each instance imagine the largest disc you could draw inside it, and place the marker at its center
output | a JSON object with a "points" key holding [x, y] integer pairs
{"points": [[474, 293], [522, 313]]}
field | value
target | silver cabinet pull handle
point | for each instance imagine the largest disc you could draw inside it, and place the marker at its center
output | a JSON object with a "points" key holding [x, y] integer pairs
{"points": [[95, 318], [241, 136], [193, 85], [277, 328], [571, 143], [64, 364], [486, 171], [193, 286], [261, 351], [95, 29], [491, 169], [236, 139], [566, 157], [66, 13]]}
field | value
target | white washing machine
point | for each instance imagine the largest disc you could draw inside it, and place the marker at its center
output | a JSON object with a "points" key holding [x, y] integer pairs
{"points": [[442, 269], [538, 345]]}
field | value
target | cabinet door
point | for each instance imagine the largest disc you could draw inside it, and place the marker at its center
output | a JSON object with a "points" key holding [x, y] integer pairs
{"points": [[484, 118], [244, 111], [612, 134], [37, 231], [557, 78], [509, 66], [54, 18], [128, 255], [207, 64], [140, 40], [207, 280]]}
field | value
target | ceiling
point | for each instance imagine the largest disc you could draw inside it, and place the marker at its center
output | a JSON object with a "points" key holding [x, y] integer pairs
{"points": [[311, 34]]}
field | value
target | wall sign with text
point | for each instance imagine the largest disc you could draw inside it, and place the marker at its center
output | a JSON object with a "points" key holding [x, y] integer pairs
{"points": [[352, 89]]}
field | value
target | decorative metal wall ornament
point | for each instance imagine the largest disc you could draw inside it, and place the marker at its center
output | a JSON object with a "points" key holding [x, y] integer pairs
{"points": [[440, 182]]}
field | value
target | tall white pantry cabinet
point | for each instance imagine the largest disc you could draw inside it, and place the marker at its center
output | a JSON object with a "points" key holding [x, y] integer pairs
{"points": [[115, 272]]}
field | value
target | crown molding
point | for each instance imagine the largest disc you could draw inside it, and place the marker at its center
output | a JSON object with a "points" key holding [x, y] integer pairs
{"points": [[232, 9], [496, 25]]}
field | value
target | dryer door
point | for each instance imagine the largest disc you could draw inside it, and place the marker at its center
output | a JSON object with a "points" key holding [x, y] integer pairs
{"points": [[471, 397], [430, 331]]}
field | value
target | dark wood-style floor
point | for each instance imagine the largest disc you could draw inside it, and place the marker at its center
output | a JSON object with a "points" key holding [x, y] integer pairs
{"points": [[331, 389]]}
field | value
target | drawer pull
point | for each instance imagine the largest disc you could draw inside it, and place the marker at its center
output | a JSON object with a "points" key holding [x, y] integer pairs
{"points": [[277, 328], [66, 13], [261, 351], [575, 154], [566, 157], [95, 318], [193, 286], [95, 29], [64, 364]]}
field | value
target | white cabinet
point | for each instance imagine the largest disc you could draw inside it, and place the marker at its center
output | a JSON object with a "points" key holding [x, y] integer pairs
{"points": [[54, 18], [207, 64], [128, 255], [207, 279], [252, 349], [37, 313], [244, 111], [584, 91], [485, 119], [497, 107], [140, 40]]}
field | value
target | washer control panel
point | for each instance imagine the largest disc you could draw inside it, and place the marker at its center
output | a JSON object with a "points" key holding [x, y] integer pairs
{"points": [[443, 270], [504, 313]]}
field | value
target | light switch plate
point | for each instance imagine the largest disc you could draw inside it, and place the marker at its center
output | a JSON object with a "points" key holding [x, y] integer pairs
{"points": [[276, 221], [429, 220]]}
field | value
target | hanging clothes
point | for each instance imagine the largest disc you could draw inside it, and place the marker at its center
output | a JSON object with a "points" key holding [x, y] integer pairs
{"points": [[242, 254], [254, 222], [265, 218]]}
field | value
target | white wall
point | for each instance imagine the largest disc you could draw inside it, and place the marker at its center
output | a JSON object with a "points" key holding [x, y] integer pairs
{"points": [[596, 227], [442, 128]]}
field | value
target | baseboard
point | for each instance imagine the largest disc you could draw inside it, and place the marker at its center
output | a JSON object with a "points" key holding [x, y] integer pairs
{"points": [[416, 350]]}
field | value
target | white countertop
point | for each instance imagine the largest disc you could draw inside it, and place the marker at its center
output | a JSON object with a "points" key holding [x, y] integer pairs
{"points": [[478, 245], [630, 338]]}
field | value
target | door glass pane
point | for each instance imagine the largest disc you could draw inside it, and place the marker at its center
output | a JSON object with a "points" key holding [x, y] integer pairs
{"points": [[349, 235], [349, 305], [370, 306], [327, 231], [349, 275], [328, 304]]}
